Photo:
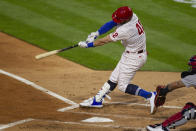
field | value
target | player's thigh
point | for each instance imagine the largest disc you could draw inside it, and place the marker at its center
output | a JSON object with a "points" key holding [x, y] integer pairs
{"points": [[128, 68], [115, 73], [126, 74]]}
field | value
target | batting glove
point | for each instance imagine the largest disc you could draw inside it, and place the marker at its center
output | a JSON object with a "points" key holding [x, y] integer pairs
{"points": [[84, 44], [92, 37]]}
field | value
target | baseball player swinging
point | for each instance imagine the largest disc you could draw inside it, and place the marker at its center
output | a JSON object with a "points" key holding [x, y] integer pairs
{"points": [[131, 33], [188, 79]]}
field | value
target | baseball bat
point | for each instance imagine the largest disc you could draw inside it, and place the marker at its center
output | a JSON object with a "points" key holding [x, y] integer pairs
{"points": [[43, 55]]}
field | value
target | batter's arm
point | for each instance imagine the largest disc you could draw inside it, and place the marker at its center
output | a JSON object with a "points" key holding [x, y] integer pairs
{"points": [[103, 41], [102, 30], [98, 42], [107, 27]]}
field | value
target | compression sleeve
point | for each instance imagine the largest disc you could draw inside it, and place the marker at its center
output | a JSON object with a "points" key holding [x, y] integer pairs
{"points": [[106, 27]]}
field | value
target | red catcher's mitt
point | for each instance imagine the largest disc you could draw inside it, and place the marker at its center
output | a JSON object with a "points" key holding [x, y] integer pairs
{"points": [[160, 97]]}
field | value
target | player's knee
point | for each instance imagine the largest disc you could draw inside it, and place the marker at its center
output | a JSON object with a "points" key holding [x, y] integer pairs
{"points": [[112, 85], [189, 111], [122, 87], [132, 89]]}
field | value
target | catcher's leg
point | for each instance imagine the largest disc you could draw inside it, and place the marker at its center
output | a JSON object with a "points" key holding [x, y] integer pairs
{"points": [[180, 118]]}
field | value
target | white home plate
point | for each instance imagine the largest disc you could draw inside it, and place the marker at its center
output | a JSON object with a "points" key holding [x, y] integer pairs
{"points": [[97, 119]]}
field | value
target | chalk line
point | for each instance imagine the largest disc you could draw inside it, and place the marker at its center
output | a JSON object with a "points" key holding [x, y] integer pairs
{"points": [[15, 123], [139, 104], [118, 103], [68, 108], [96, 125], [38, 87]]}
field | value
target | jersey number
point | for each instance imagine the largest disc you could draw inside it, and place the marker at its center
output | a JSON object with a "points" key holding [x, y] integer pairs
{"points": [[139, 28], [115, 35]]}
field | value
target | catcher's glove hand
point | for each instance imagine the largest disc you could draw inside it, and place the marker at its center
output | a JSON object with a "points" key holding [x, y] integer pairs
{"points": [[160, 96]]}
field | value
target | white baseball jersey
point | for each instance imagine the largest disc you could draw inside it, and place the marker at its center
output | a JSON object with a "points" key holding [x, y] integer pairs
{"points": [[131, 34], [133, 38]]}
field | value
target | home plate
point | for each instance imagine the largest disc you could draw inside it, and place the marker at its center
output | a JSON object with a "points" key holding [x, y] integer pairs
{"points": [[97, 119]]}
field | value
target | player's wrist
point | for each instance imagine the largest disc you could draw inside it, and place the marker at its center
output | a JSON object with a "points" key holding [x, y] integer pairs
{"points": [[97, 33], [91, 44]]}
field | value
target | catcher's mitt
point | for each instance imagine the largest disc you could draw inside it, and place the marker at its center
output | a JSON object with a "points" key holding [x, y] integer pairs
{"points": [[160, 96]]}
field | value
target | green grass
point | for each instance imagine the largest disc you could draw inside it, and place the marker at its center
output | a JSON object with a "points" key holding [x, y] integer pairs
{"points": [[53, 24]]}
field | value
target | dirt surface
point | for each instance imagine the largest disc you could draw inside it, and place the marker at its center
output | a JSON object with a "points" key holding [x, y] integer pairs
{"points": [[19, 101]]}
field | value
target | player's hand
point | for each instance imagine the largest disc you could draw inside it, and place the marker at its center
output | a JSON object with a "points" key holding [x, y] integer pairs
{"points": [[83, 44], [92, 37]]}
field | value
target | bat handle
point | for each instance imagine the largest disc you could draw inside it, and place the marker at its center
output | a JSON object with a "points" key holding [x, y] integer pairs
{"points": [[68, 47]]}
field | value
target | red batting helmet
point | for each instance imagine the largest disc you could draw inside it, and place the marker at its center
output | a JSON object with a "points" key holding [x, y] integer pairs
{"points": [[192, 62], [122, 14]]}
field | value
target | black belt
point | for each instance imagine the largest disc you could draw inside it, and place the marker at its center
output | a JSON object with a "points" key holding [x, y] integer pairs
{"points": [[140, 51]]}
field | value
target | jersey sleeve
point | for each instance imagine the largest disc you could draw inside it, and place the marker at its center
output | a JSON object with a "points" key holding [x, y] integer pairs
{"points": [[119, 35], [189, 81], [106, 27]]}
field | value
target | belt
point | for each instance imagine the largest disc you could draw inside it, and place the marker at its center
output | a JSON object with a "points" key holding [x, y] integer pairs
{"points": [[138, 52]]}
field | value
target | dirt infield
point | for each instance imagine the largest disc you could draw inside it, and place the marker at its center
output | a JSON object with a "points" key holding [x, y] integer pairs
{"points": [[37, 110]]}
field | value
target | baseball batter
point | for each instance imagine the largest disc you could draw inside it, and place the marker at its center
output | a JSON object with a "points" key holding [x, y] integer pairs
{"points": [[188, 79], [131, 33]]}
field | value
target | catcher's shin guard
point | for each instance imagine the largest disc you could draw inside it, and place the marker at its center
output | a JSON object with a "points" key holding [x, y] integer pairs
{"points": [[180, 118]]}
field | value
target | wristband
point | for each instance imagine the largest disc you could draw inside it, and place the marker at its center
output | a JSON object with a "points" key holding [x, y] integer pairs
{"points": [[90, 44]]}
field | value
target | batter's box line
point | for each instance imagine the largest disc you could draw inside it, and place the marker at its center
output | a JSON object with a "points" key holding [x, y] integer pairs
{"points": [[96, 125], [139, 104], [68, 108], [38, 87], [117, 115], [117, 103], [5, 126]]}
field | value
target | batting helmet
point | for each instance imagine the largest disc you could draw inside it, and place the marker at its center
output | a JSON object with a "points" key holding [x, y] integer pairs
{"points": [[192, 62], [122, 14]]}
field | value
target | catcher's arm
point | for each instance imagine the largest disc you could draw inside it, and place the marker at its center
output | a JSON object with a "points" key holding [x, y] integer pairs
{"points": [[175, 85], [163, 90]]}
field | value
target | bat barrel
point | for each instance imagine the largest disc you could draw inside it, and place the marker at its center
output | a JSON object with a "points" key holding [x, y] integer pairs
{"points": [[46, 54], [54, 52]]}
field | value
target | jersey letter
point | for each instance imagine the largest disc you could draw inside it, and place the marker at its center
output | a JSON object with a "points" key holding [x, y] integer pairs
{"points": [[139, 27]]}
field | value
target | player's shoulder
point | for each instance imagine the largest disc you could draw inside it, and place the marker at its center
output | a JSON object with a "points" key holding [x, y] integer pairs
{"points": [[134, 18], [134, 15], [126, 27]]}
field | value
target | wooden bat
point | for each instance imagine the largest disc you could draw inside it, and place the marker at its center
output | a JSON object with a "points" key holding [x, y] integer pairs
{"points": [[54, 52]]}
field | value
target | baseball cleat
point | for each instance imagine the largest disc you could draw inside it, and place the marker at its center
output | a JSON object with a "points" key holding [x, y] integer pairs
{"points": [[91, 102], [152, 104], [156, 127]]}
